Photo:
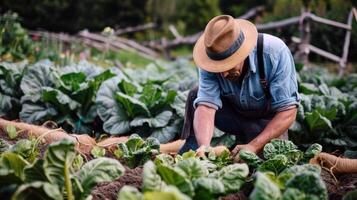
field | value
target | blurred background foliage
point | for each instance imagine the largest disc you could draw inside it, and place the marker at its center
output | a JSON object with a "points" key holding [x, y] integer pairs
{"points": [[187, 16]]}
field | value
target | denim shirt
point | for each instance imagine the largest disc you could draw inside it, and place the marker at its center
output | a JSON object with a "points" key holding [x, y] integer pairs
{"points": [[249, 94]]}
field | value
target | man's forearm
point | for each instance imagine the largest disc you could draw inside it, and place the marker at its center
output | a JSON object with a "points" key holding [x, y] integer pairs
{"points": [[275, 128], [203, 124]]}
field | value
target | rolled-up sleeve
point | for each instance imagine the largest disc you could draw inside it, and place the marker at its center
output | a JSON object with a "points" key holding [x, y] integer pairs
{"points": [[283, 83], [208, 90]]}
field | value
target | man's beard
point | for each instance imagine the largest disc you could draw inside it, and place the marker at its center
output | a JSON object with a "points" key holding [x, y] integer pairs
{"points": [[233, 77]]}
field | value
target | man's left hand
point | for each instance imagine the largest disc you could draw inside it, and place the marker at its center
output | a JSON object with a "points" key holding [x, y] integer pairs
{"points": [[240, 147]]}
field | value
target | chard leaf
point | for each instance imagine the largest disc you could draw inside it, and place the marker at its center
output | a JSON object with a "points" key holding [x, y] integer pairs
{"points": [[35, 172], [37, 190], [39, 75], [36, 112], [167, 133], [193, 168], [250, 158], [58, 162], [96, 171], [97, 152], [59, 99], [12, 163], [151, 95], [71, 81], [132, 106], [276, 164], [278, 146], [127, 87], [168, 193], [265, 189], [172, 176], [311, 152], [151, 179], [11, 131], [129, 193], [208, 188], [232, 176], [316, 121], [309, 183]]}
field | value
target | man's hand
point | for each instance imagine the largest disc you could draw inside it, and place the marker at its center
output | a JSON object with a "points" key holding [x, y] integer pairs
{"points": [[200, 152], [240, 147]]}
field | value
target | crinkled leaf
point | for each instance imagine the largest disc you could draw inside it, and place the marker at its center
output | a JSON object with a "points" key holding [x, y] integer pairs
{"points": [[276, 164], [264, 189], [311, 152], [250, 158], [232, 176], [133, 107], [193, 168], [278, 146], [316, 121], [208, 188]]}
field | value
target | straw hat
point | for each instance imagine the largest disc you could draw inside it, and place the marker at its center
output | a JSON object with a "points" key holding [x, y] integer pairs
{"points": [[225, 43]]}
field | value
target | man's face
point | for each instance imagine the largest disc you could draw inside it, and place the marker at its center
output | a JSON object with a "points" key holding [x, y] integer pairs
{"points": [[234, 73]]}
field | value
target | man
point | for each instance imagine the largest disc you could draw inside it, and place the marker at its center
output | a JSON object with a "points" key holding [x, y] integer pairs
{"points": [[244, 89]]}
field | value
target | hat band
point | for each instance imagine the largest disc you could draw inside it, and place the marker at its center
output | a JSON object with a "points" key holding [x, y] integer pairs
{"points": [[225, 54]]}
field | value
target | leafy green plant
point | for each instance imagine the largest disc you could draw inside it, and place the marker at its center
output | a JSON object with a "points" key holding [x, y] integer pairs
{"points": [[198, 178], [279, 155], [11, 131], [11, 75], [65, 95], [97, 152], [53, 177], [137, 151], [15, 43], [327, 113]]}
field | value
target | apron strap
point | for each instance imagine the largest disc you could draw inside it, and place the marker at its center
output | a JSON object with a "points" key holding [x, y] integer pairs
{"points": [[263, 80]]}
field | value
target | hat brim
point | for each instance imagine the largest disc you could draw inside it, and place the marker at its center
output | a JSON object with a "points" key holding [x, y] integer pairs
{"points": [[250, 39]]}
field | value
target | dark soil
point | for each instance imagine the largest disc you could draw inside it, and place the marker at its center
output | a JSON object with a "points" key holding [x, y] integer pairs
{"points": [[23, 135], [110, 190], [344, 184]]}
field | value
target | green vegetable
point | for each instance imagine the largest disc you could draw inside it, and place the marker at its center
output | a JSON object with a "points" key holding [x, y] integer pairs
{"points": [[11, 131], [136, 151], [97, 152], [265, 189], [250, 158]]}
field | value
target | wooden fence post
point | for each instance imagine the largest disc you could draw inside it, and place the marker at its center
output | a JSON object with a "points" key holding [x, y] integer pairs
{"points": [[343, 61], [302, 54]]}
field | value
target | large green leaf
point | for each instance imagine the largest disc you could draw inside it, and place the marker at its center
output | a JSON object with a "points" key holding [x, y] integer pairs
{"points": [[96, 171], [232, 176], [58, 162], [278, 146], [308, 88], [129, 193], [265, 189], [276, 164], [173, 176], [37, 190], [316, 121], [72, 81], [160, 120], [133, 107], [167, 193], [37, 112], [250, 158], [58, 99], [167, 133], [35, 172], [12, 163], [208, 188], [39, 75], [151, 179], [193, 168]]}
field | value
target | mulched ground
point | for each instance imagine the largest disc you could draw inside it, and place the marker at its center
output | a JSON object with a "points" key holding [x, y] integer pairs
{"points": [[109, 190]]}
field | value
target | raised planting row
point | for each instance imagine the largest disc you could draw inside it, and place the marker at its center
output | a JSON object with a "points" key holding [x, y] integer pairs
{"points": [[61, 173]]}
